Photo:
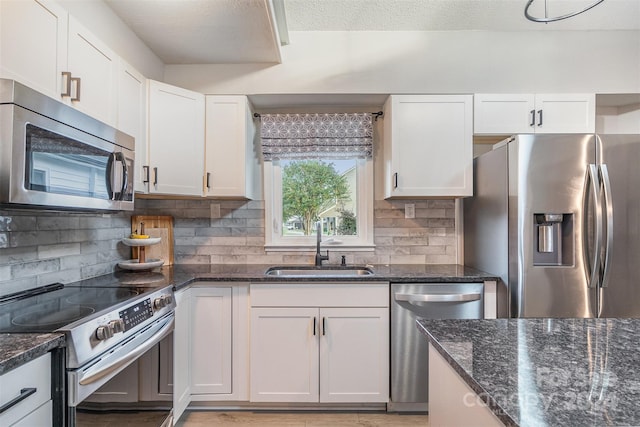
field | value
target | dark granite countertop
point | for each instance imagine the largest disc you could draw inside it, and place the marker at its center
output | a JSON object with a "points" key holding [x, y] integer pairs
{"points": [[181, 275], [18, 349], [547, 372]]}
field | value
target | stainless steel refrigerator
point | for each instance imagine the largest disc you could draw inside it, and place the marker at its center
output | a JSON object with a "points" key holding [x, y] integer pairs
{"points": [[557, 217]]}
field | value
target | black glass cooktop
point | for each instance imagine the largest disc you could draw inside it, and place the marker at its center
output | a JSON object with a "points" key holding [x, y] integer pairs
{"points": [[51, 307]]}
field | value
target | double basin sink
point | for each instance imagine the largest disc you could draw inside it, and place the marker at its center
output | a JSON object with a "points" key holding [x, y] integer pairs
{"points": [[312, 271]]}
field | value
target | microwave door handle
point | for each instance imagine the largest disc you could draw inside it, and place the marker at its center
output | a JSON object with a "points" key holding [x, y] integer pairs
{"points": [[125, 175], [109, 175]]}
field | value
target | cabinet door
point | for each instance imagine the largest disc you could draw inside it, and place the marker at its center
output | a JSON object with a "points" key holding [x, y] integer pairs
{"points": [[95, 65], [132, 119], [431, 146], [354, 355], [182, 353], [284, 355], [225, 146], [176, 140], [565, 113], [497, 114], [211, 343], [33, 44]]}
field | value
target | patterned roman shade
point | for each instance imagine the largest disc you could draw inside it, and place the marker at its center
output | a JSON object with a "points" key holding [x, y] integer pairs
{"points": [[313, 136]]}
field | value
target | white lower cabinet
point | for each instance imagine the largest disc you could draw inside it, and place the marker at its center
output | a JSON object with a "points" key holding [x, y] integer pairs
{"points": [[31, 383], [451, 401], [211, 345], [182, 353], [326, 343]]}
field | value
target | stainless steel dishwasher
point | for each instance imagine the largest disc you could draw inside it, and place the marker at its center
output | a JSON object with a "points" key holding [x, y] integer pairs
{"points": [[409, 348]]}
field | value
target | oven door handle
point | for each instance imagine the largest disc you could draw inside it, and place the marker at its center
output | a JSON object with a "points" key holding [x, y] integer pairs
{"points": [[422, 298], [94, 375]]}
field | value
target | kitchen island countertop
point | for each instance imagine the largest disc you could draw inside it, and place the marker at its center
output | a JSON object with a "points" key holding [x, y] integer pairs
{"points": [[546, 372], [18, 349]]}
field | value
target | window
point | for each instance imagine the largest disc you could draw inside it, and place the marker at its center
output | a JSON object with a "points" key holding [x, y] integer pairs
{"points": [[318, 172], [338, 194]]}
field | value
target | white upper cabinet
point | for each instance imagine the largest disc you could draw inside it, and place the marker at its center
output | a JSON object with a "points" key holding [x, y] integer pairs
{"points": [[496, 114], [176, 140], [48, 50], [428, 146], [94, 69], [132, 118], [33, 44], [232, 167]]}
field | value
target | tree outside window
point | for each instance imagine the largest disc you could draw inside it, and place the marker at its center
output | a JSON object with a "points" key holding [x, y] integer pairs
{"points": [[319, 190]]}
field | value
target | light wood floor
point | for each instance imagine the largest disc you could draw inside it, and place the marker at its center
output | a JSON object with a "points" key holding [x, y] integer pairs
{"points": [[255, 419], [299, 419]]}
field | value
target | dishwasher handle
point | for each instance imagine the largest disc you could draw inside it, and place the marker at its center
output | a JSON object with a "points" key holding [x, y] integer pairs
{"points": [[422, 298]]}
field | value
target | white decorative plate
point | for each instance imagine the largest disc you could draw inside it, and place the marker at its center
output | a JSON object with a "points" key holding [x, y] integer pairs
{"points": [[141, 242], [133, 264]]}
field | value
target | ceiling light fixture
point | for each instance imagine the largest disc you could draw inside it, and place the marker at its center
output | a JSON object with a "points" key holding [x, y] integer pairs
{"points": [[555, 18]]}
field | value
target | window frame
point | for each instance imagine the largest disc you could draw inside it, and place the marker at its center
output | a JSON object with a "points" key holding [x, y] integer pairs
{"points": [[275, 241]]}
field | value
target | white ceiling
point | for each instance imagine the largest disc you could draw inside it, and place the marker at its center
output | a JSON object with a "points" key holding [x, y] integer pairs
{"points": [[240, 31]]}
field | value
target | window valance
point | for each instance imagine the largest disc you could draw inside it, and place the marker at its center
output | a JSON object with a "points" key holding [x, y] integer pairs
{"points": [[313, 136]]}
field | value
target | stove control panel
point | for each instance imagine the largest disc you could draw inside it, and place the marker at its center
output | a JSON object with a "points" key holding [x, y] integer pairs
{"points": [[134, 315], [162, 301]]}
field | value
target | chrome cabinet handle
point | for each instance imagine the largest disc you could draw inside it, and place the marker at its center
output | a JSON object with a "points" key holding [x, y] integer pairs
{"points": [[145, 172], [314, 326], [591, 271], [539, 118], [77, 80], [417, 298], [66, 76], [155, 176], [533, 117], [24, 393], [608, 208], [209, 180], [324, 327], [395, 180]]}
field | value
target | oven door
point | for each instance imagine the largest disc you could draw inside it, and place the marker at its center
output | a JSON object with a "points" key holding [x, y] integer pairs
{"points": [[48, 164], [83, 381]]}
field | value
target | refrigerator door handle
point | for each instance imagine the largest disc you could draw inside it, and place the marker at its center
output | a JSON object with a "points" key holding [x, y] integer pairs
{"points": [[591, 260], [608, 207]]}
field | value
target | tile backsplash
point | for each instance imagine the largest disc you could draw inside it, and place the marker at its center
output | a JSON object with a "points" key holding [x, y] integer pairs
{"points": [[38, 248]]}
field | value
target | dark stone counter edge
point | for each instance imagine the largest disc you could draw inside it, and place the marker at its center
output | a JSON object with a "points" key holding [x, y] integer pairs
{"points": [[178, 284], [23, 348], [493, 406]]}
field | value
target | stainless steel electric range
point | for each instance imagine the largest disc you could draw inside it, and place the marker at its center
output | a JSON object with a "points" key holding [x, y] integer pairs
{"points": [[108, 325]]}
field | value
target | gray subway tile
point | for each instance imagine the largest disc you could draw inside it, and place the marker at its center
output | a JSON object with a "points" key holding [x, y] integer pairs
{"points": [[34, 268]]}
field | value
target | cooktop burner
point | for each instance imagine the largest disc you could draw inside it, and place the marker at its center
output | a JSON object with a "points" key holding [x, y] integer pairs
{"points": [[51, 307], [46, 318]]}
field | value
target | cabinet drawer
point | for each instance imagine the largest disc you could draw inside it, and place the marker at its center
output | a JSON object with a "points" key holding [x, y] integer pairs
{"points": [[320, 295], [35, 374], [41, 417]]}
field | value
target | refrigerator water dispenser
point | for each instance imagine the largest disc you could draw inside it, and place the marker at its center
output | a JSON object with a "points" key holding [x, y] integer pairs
{"points": [[553, 239]]}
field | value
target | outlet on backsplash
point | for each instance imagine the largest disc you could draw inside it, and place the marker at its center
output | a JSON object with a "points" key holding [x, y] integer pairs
{"points": [[409, 210]]}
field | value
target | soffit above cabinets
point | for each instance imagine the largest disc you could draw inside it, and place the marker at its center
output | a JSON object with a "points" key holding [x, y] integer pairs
{"points": [[317, 103], [203, 31], [247, 31]]}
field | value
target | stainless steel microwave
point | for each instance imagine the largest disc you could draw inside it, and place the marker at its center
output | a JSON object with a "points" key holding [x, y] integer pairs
{"points": [[53, 156]]}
